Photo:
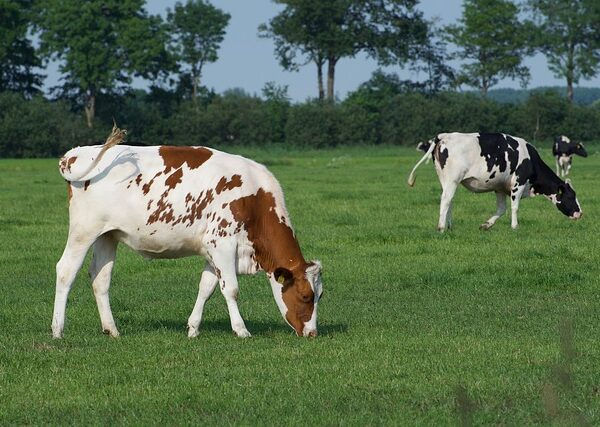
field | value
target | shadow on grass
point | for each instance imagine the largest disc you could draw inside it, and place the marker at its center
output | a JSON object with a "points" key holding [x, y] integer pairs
{"points": [[223, 325]]}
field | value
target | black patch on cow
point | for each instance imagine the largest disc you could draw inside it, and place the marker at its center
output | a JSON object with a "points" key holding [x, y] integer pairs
{"points": [[524, 172], [494, 147], [440, 156], [493, 175]]}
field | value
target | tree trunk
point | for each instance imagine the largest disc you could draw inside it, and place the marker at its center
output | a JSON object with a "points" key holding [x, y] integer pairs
{"points": [[331, 79], [320, 80], [90, 107], [570, 67]]}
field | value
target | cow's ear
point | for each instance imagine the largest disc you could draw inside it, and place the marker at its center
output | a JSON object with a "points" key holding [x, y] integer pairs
{"points": [[283, 276]]}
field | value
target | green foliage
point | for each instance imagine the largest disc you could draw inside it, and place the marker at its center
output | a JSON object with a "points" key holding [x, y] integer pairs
{"points": [[39, 128], [102, 44], [492, 38], [318, 31], [569, 35], [17, 55], [197, 29], [415, 328]]}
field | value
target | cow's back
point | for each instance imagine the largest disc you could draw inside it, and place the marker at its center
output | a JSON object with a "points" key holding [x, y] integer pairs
{"points": [[164, 201]]}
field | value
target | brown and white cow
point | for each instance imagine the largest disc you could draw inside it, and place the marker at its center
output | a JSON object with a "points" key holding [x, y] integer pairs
{"points": [[169, 202]]}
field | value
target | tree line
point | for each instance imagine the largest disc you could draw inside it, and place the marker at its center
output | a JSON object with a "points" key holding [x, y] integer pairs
{"points": [[101, 45]]}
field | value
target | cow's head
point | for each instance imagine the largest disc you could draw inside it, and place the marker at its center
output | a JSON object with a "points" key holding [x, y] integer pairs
{"points": [[297, 293], [566, 201], [580, 150]]}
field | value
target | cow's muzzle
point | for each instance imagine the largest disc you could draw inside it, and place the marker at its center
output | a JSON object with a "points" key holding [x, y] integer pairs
{"points": [[577, 215]]}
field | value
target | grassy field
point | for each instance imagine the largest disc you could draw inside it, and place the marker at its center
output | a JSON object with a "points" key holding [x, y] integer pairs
{"points": [[415, 327]]}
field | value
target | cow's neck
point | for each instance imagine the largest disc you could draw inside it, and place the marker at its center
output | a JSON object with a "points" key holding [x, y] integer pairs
{"points": [[545, 181], [272, 238], [278, 247]]}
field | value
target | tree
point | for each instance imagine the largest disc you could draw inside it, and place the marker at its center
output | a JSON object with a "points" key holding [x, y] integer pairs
{"points": [[17, 55], [327, 31], [198, 29], [102, 43], [492, 37], [569, 36]]}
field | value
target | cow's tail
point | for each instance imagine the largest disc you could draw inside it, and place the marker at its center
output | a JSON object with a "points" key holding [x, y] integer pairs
{"points": [[116, 136], [412, 178]]}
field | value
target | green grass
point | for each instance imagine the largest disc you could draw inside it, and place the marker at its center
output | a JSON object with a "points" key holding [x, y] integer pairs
{"points": [[409, 316]]}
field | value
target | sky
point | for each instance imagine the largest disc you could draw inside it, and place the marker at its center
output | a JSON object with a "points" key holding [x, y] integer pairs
{"points": [[248, 62]]}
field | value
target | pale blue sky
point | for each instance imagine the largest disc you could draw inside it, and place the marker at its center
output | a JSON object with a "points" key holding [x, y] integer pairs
{"points": [[247, 61]]}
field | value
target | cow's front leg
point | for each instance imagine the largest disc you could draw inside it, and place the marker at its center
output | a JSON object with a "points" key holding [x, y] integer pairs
{"points": [[515, 199], [208, 282], [445, 205], [558, 167], [500, 209], [224, 263]]}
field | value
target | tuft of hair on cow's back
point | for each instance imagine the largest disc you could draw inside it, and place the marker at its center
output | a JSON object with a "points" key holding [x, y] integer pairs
{"points": [[116, 136]]}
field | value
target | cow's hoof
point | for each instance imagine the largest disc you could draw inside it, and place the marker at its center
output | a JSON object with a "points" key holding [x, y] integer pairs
{"points": [[441, 229], [112, 332], [192, 332], [242, 333], [485, 226]]}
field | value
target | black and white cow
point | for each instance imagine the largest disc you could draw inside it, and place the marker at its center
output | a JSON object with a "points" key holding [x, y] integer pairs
{"points": [[563, 150], [496, 162]]}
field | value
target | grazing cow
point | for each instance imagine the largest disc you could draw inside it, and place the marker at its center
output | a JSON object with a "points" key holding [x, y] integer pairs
{"points": [[494, 162], [169, 202], [563, 150]]}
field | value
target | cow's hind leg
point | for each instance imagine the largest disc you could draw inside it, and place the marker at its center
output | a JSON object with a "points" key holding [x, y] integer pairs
{"points": [[208, 282], [66, 270], [223, 259], [500, 209], [103, 260], [445, 204]]}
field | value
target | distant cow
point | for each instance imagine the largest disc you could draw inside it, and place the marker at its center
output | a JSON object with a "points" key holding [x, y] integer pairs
{"points": [[169, 202], [563, 150], [496, 162]]}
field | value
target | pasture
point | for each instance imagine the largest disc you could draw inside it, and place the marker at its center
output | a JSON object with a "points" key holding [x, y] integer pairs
{"points": [[416, 327]]}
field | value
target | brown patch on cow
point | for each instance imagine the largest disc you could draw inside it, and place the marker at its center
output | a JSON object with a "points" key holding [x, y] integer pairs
{"points": [[138, 179], [69, 192], [86, 184], [66, 162], [274, 242], [275, 247], [175, 157], [223, 184], [163, 211], [149, 204], [146, 187], [224, 223], [174, 179]]}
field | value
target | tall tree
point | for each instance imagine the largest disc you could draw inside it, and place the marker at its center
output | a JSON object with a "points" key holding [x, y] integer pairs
{"points": [[323, 32], [102, 44], [17, 55], [491, 36], [569, 37], [198, 29]]}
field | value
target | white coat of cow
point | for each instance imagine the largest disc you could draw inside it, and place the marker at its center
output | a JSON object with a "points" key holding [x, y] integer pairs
{"points": [[169, 202]]}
